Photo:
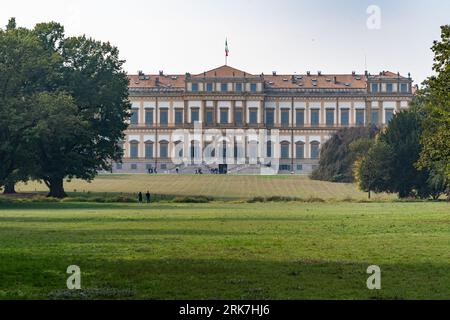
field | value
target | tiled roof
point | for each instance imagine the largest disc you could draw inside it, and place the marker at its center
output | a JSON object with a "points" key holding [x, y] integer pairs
{"points": [[224, 72], [387, 75], [296, 81], [331, 81], [155, 81]]}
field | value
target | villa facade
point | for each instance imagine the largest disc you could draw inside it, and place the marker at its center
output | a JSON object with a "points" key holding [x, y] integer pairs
{"points": [[237, 122]]}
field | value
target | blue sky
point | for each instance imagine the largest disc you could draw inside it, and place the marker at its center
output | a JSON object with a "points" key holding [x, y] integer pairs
{"points": [[287, 36]]}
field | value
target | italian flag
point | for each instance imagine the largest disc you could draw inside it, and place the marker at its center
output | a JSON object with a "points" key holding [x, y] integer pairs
{"points": [[227, 51]]}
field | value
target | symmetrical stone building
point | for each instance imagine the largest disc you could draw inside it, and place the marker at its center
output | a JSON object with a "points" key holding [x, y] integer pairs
{"points": [[238, 122]]}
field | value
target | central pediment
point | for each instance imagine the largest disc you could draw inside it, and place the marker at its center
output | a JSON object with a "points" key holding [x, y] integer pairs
{"points": [[224, 72]]}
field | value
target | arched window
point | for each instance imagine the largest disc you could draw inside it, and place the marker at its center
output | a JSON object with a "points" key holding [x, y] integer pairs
{"points": [[134, 149], [179, 150], [195, 150], [315, 150], [164, 149], [149, 149], [285, 150], [300, 150]]}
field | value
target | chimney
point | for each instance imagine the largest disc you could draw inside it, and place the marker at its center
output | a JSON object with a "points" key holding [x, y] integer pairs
{"points": [[366, 73], [319, 73], [353, 73], [308, 73], [161, 73], [274, 73], [335, 80], [157, 82]]}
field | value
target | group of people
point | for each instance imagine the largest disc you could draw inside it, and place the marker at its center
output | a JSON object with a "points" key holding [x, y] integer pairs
{"points": [[141, 197]]}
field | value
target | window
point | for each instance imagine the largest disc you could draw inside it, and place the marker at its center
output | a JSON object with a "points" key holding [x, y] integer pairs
{"points": [[133, 166], [374, 87], [285, 150], [299, 167], [195, 87], [389, 114], [330, 117], [134, 117], [253, 87], [119, 166], [374, 119], [209, 87], [269, 149], [253, 116], [223, 116], [285, 117], [194, 115], [224, 87], [315, 150], [300, 150], [163, 166], [360, 117], [285, 167], [404, 87], [300, 118], [163, 117], [238, 117], [238, 87], [179, 116], [148, 150], [149, 117], [179, 150], [315, 117], [270, 117], [195, 150], [209, 117], [134, 150], [389, 87], [345, 117], [163, 151]]}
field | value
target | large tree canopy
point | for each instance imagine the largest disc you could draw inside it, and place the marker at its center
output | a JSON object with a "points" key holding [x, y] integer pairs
{"points": [[337, 157], [64, 104], [436, 97]]}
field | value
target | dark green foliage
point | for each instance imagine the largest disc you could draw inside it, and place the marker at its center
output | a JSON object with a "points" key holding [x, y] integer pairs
{"points": [[373, 172], [403, 136], [435, 97], [390, 165], [337, 156], [63, 105]]}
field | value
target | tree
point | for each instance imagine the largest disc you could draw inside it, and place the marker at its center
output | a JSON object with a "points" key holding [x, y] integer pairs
{"points": [[23, 66], [373, 172], [436, 96], [52, 140], [403, 136], [81, 73], [337, 159]]}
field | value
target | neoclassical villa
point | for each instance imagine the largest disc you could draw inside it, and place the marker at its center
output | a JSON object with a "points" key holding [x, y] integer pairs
{"points": [[232, 121]]}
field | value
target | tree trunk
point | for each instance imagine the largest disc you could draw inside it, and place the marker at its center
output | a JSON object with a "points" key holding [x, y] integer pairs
{"points": [[369, 194], [56, 186], [9, 188]]}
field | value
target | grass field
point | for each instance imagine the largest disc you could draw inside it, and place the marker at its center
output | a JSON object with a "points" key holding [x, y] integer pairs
{"points": [[218, 186], [225, 250]]}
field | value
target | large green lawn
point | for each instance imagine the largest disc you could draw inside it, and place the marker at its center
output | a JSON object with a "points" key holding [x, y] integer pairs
{"points": [[218, 186], [225, 250]]}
